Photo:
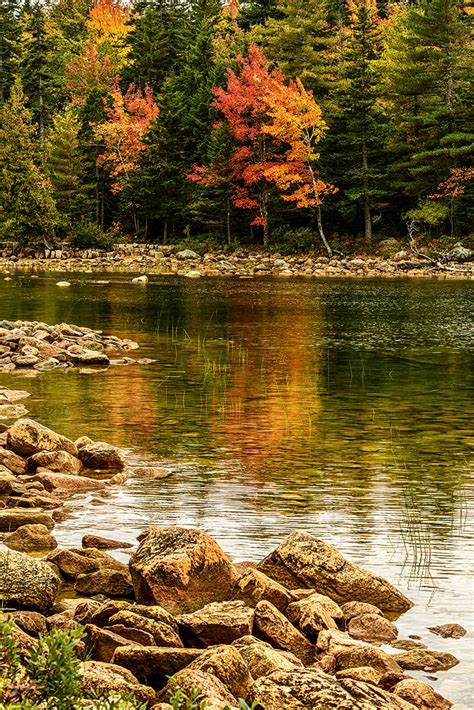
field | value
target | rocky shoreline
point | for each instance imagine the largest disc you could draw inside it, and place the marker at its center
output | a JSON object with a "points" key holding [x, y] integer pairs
{"points": [[302, 628], [244, 263]]}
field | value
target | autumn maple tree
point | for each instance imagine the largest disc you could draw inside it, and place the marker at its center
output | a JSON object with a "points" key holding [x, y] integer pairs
{"points": [[128, 118], [453, 187], [275, 127]]}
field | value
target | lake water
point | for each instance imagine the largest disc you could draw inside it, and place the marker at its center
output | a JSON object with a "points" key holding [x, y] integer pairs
{"points": [[340, 407]]}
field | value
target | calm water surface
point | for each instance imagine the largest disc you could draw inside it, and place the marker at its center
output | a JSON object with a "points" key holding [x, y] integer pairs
{"points": [[340, 407]]}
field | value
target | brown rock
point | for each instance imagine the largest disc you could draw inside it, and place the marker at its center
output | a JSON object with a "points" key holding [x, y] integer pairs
{"points": [[132, 634], [366, 674], [216, 623], [327, 663], [10, 485], [335, 642], [352, 609], [66, 484], [424, 659], [83, 441], [213, 691], [311, 616], [85, 610], [454, 631], [302, 560], [272, 626], [372, 628], [103, 612], [368, 656], [225, 663], [26, 437], [255, 586], [407, 644], [262, 660], [105, 678], [71, 564], [111, 582], [101, 644], [13, 518], [421, 695], [104, 543], [180, 569], [101, 456], [62, 621], [12, 461], [163, 634], [371, 696], [30, 538], [22, 639], [31, 622], [36, 500], [58, 461], [157, 613], [26, 582], [155, 664]]}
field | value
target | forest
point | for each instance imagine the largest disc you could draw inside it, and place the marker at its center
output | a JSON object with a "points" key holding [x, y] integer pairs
{"points": [[298, 122]]}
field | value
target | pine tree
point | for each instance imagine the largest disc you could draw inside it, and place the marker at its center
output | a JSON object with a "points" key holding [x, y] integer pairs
{"points": [[30, 60], [428, 64], [353, 152], [27, 210], [301, 42], [65, 164], [8, 39]]}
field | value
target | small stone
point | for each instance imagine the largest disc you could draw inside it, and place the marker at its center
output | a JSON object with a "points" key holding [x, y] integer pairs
{"points": [[421, 695], [454, 631], [372, 628], [101, 456], [425, 659], [63, 284], [104, 543]]}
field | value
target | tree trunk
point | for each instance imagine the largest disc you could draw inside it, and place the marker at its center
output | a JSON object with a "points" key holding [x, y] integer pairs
{"points": [[228, 223], [321, 231], [367, 215], [264, 211]]}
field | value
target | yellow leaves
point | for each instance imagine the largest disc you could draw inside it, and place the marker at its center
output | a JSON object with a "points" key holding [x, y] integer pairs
{"points": [[108, 26]]}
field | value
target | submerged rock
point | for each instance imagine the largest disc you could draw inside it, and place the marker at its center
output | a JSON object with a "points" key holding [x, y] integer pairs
{"points": [[101, 456], [454, 631]]}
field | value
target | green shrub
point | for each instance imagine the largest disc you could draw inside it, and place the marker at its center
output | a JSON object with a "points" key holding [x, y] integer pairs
{"points": [[288, 241], [88, 235]]}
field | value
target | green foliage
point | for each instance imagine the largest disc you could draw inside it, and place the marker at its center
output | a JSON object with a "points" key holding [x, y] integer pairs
{"points": [[430, 212], [287, 241], [89, 235], [182, 700], [27, 210]]}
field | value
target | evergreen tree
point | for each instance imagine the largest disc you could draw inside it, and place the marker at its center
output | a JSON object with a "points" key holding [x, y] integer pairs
{"points": [[428, 64], [8, 38], [30, 60], [353, 152], [65, 164], [301, 42], [27, 210]]}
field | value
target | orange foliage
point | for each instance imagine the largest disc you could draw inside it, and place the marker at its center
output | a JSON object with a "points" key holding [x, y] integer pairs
{"points": [[455, 185], [122, 134]]}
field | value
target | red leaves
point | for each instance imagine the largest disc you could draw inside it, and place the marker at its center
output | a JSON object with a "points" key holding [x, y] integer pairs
{"points": [[455, 185], [122, 134]]}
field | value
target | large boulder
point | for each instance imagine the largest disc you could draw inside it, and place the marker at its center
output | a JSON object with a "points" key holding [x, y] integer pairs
{"points": [[424, 659], [100, 678], [311, 688], [26, 582], [101, 644], [371, 657], [101, 456], [254, 586], [155, 664], [163, 634], [313, 614], [14, 518], [372, 628], [421, 695], [212, 690], [270, 625], [180, 569], [30, 538], [67, 484], [59, 461], [303, 560], [11, 461], [26, 437], [216, 623], [262, 660], [225, 663], [111, 582]]}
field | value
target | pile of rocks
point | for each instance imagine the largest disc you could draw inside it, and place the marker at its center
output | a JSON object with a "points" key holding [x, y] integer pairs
{"points": [[45, 347], [392, 261], [301, 629]]}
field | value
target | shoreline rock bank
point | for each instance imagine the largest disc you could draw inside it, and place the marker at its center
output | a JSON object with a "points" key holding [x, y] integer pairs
{"points": [[32, 344], [244, 263], [303, 628]]}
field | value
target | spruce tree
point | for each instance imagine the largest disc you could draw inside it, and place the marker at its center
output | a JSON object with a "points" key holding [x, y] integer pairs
{"points": [[8, 39], [65, 164], [428, 66], [27, 210]]}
